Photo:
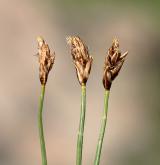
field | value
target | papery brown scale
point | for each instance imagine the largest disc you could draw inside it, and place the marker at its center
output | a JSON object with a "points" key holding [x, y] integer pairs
{"points": [[113, 63], [81, 58], [46, 60]]}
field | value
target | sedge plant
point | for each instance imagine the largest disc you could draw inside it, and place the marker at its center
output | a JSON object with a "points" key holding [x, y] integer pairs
{"points": [[82, 62], [113, 63], [46, 61]]}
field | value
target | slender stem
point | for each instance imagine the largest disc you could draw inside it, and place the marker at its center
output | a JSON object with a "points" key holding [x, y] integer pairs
{"points": [[102, 130], [40, 125], [81, 126]]}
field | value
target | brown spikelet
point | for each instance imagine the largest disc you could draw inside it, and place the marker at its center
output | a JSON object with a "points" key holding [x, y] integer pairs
{"points": [[81, 58], [46, 60], [113, 63]]}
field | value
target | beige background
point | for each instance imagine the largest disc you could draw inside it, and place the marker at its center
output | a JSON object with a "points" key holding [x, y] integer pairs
{"points": [[132, 135]]}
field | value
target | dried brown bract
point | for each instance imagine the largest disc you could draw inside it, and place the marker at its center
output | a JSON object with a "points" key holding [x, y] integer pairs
{"points": [[81, 58], [113, 63], [46, 60]]}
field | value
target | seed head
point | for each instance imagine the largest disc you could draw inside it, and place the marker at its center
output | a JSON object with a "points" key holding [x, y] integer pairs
{"points": [[81, 58], [113, 63], [46, 60]]}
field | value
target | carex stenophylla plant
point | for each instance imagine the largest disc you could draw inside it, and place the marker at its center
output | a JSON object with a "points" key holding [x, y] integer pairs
{"points": [[82, 62], [46, 61], [112, 65]]}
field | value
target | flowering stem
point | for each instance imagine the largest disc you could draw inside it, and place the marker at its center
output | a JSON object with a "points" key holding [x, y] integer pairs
{"points": [[81, 126], [102, 130], [40, 125]]}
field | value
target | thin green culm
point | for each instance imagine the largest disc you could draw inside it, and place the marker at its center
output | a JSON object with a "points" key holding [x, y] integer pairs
{"points": [[40, 126], [102, 130], [81, 127]]}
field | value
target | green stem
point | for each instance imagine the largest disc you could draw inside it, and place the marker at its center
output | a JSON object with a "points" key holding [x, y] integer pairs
{"points": [[40, 125], [81, 126], [102, 130]]}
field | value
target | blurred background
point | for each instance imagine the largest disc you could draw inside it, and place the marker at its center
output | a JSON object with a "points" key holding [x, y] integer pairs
{"points": [[133, 129]]}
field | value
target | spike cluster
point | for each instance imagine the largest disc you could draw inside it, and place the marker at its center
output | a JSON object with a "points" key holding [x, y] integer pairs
{"points": [[46, 60], [113, 63], [81, 58]]}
